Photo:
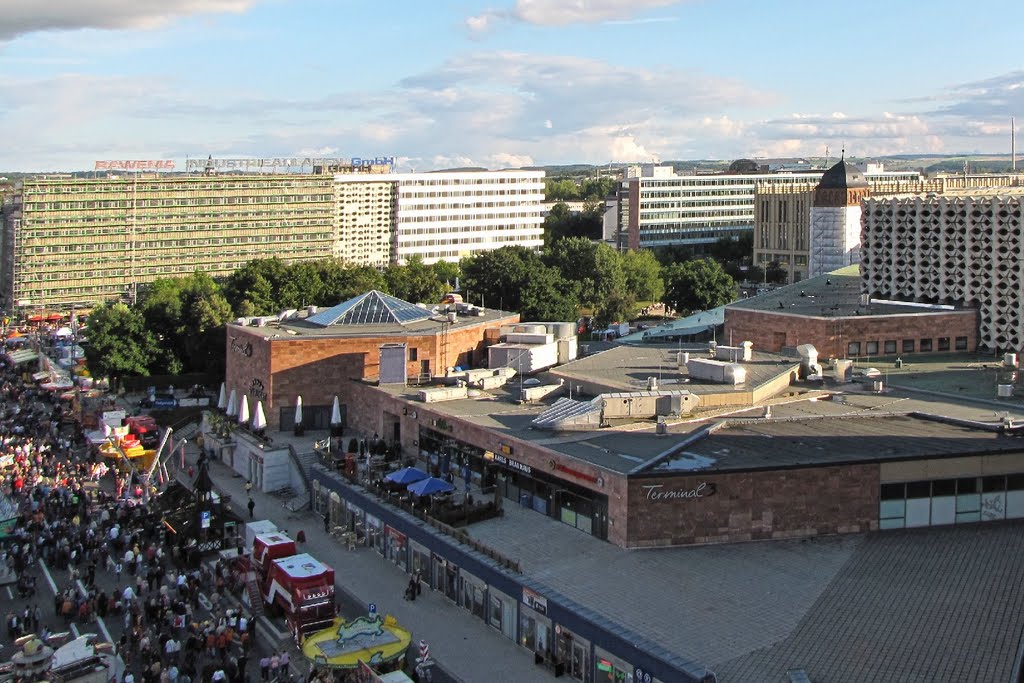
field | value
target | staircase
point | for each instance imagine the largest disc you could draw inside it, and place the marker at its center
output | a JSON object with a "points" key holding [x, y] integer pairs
{"points": [[307, 460], [255, 599]]}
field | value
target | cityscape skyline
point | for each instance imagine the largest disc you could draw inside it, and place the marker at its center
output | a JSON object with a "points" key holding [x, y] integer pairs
{"points": [[498, 83]]}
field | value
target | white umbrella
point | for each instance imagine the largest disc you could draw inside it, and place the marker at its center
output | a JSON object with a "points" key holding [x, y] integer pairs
{"points": [[232, 408], [259, 420], [243, 410], [298, 411], [222, 401], [336, 412]]}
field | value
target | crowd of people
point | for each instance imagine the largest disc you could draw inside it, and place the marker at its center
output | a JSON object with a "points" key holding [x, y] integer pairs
{"points": [[84, 526]]}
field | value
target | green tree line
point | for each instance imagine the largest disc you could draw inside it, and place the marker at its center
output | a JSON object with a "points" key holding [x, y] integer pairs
{"points": [[177, 324]]}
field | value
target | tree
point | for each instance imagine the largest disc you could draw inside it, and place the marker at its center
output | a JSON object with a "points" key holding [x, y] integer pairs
{"points": [[254, 289], [302, 286], [186, 316], [698, 285], [561, 190], [341, 282], [496, 278], [776, 274], [547, 296], [447, 272], [562, 223], [414, 282], [119, 343], [642, 273], [617, 307]]}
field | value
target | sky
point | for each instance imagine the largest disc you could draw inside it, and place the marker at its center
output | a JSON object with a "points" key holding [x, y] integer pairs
{"points": [[503, 83]]}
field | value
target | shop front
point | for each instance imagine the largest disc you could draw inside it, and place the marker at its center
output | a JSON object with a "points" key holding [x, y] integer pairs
{"points": [[474, 595], [574, 652], [396, 545], [610, 669], [524, 485], [502, 612], [534, 624], [419, 556], [375, 533]]}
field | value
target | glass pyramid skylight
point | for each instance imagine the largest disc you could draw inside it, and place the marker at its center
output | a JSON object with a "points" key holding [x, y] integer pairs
{"points": [[372, 308]]}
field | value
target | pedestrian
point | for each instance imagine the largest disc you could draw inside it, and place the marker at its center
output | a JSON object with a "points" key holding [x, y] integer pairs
{"points": [[275, 664], [327, 523], [251, 505], [264, 668], [248, 486]]}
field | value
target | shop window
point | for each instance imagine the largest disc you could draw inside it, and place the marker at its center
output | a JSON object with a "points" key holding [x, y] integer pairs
{"points": [[908, 346], [961, 343], [944, 487], [1015, 482], [926, 345], [993, 484], [967, 485], [871, 348], [893, 491], [890, 346], [919, 489], [853, 349], [943, 343]]}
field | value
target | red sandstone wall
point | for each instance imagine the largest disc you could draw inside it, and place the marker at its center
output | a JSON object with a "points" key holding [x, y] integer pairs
{"points": [[750, 506], [771, 331]]}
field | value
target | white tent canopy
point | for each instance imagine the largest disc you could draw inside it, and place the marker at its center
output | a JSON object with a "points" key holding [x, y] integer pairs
{"points": [[298, 410], [336, 412], [222, 400], [232, 409]]}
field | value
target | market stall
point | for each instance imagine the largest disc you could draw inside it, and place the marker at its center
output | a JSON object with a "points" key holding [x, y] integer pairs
{"points": [[375, 640]]}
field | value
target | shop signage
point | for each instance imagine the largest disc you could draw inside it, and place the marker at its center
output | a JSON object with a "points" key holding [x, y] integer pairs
{"points": [[505, 448], [443, 424], [395, 534], [257, 390], [240, 348], [204, 519], [658, 491], [134, 165], [641, 676], [512, 464], [576, 473], [282, 162], [537, 603]]}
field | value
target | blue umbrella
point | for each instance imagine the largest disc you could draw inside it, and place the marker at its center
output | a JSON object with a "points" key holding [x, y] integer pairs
{"points": [[430, 486], [406, 475]]}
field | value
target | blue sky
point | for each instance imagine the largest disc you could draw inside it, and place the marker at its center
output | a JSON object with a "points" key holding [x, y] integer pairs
{"points": [[502, 83]]}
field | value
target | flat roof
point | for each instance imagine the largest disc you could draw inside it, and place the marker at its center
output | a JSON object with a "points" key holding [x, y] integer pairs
{"points": [[836, 294], [301, 566], [627, 368]]}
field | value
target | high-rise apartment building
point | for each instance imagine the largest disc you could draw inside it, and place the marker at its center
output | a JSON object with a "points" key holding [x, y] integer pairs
{"points": [[965, 248], [77, 241]]}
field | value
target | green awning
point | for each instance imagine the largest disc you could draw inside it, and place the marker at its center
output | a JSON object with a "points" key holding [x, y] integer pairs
{"points": [[22, 356]]}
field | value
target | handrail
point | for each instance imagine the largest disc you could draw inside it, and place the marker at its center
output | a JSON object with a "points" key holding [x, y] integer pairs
{"points": [[293, 454]]}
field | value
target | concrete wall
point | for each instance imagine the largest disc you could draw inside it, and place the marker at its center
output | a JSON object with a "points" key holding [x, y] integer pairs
{"points": [[749, 506]]}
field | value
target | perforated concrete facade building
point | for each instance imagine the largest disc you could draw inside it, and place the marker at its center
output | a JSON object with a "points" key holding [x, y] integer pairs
{"points": [[966, 249]]}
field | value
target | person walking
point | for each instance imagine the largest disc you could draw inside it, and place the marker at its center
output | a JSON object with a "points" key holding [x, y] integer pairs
{"points": [[252, 506]]}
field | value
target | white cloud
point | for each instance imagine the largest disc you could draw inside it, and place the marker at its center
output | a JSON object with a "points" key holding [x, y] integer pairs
{"points": [[564, 12], [19, 17]]}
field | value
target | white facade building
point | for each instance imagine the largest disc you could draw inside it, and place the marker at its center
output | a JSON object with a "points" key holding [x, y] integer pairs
{"points": [[445, 216], [835, 219], [951, 249], [657, 207]]}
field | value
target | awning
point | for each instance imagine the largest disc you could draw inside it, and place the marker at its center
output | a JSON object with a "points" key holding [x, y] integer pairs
{"points": [[40, 376], [22, 356]]}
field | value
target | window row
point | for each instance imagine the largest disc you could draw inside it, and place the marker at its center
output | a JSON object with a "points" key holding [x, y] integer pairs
{"points": [[891, 346]]}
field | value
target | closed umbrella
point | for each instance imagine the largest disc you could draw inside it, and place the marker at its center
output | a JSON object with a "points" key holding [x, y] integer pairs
{"points": [[243, 410], [222, 400], [336, 412], [298, 415], [429, 486], [406, 475], [259, 420], [232, 408]]}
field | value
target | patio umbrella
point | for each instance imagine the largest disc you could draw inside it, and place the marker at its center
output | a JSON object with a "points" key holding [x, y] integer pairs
{"points": [[222, 401], [429, 486], [259, 420], [406, 475], [243, 410], [336, 412], [298, 411], [232, 408]]}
